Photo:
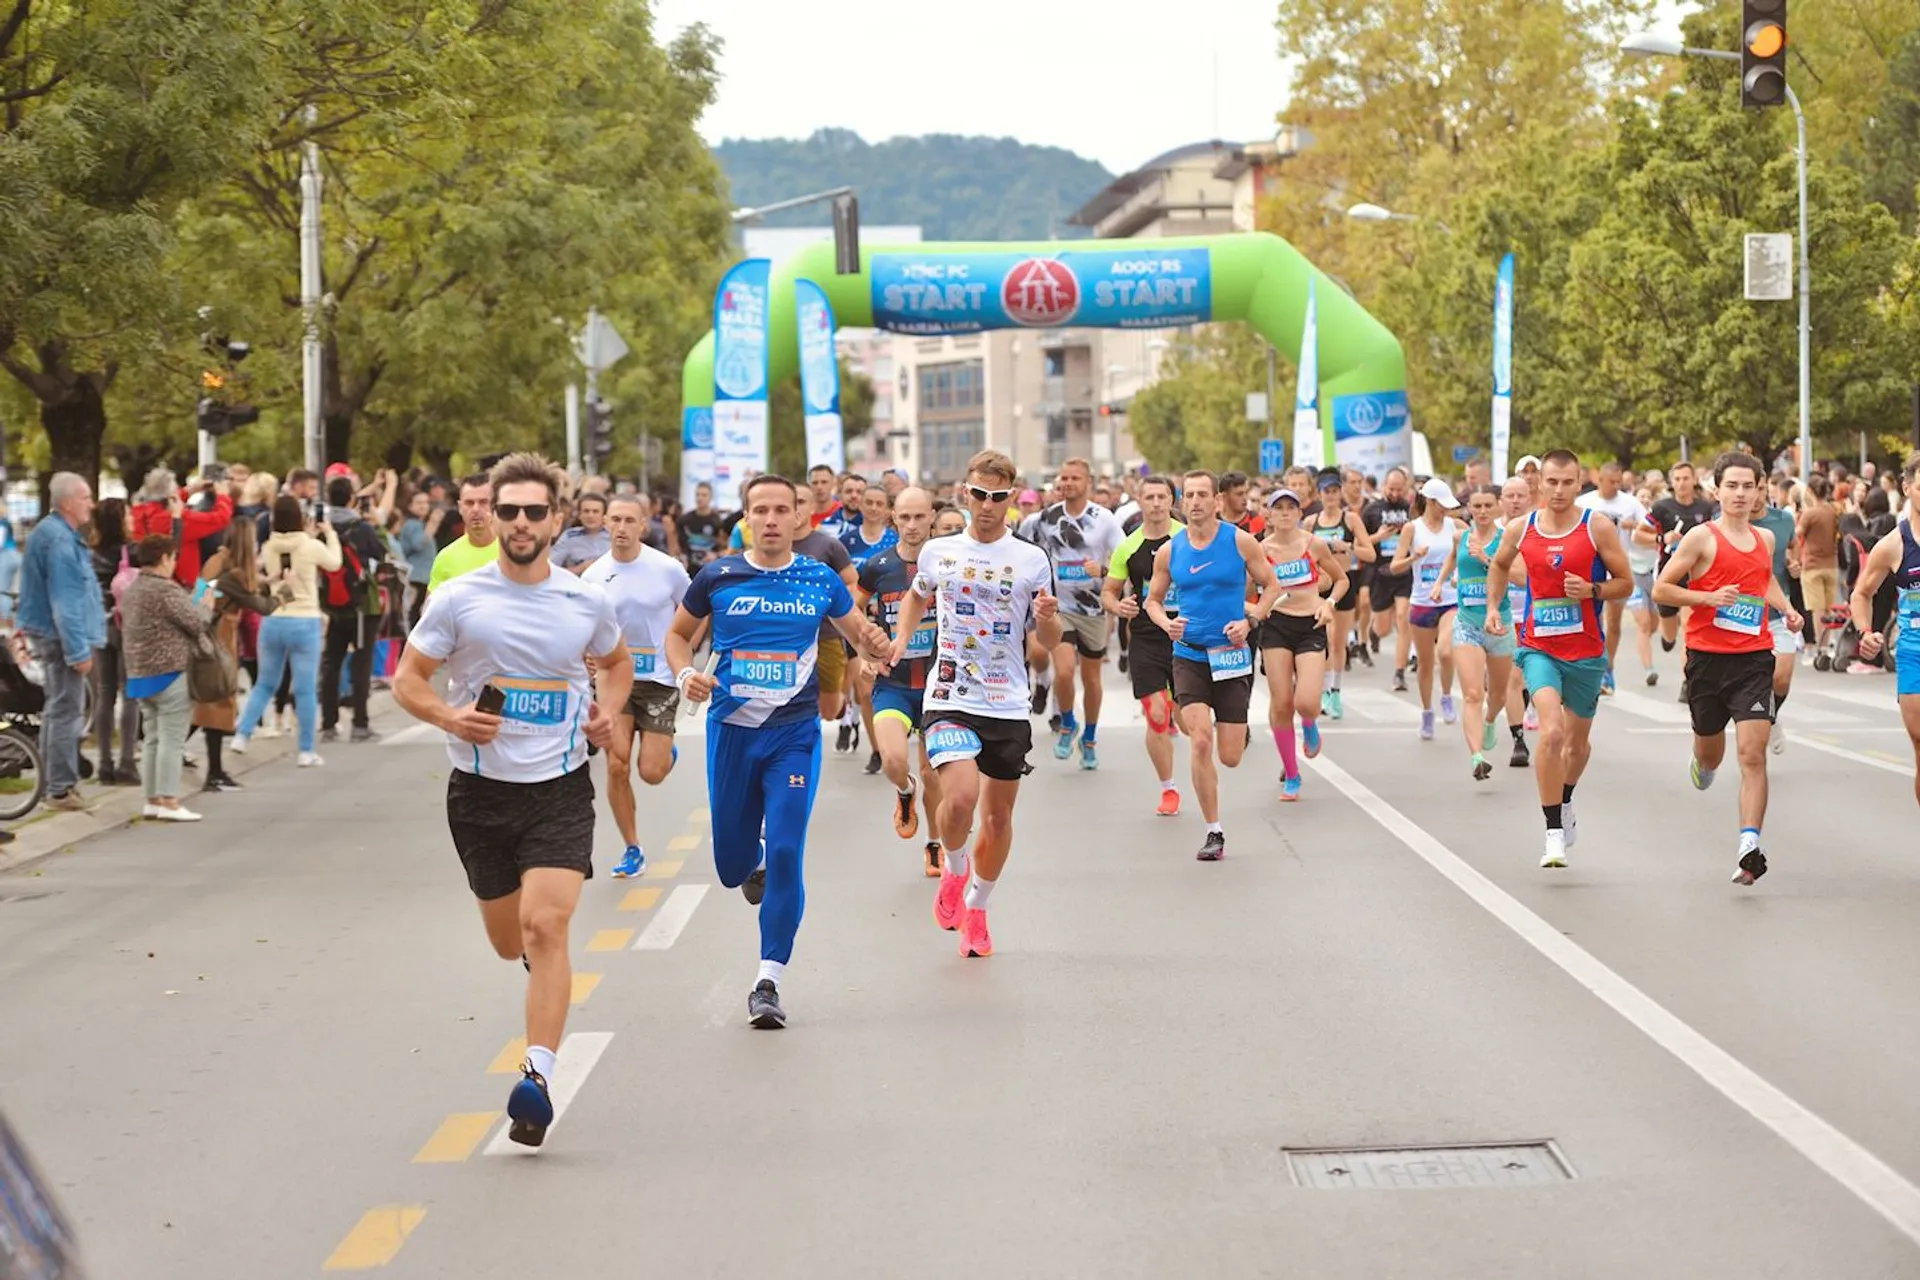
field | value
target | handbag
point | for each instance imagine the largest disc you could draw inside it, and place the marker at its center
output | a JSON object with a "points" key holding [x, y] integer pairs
{"points": [[213, 674]]}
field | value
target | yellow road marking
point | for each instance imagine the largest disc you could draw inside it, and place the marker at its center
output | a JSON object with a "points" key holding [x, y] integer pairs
{"points": [[610, 940], [683, 844], [510, 1058], [456, 1137], [699, 818], [641, 899], [666, 869], [583, 985], [376, 1238]]}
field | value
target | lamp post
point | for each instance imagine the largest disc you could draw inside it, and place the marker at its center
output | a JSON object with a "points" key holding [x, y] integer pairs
{"points": [[1365, 212], [1650, 45]]}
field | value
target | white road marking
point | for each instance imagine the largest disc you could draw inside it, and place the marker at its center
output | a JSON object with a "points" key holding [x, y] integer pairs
{"points": [[1647, 708], [579, 1052], [1801, 739], [1840, 1157], [671, 918], [1814, 683], [413, 733]]}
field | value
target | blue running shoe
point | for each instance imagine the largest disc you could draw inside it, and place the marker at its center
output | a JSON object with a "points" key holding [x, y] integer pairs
{"points": [[1310, 737], [1606, 682], [529, 1108], [1290, 788], [1063, 744], [1089, 755], [633, 864]]}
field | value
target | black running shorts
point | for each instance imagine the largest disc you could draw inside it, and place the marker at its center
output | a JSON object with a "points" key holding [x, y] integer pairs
{"points": [[1193, 684], [1728, 686], [502, 829], [1294, 634]]}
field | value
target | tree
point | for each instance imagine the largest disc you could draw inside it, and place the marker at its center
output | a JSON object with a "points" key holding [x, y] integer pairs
{"points": [[1195, 415], [786, 420], [1890, 144]]}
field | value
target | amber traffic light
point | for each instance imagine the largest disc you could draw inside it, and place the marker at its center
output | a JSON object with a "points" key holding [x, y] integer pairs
{"points": [[1763, 53]]}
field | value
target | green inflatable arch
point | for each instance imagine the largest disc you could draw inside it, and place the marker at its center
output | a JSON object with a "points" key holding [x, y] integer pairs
{"points": [[1255, 277]]}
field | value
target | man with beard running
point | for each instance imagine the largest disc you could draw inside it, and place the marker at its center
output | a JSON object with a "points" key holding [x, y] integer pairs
{"points": [[1079, 537], [516, 637], [646, 587], [1128, 577], [1211, 563]]}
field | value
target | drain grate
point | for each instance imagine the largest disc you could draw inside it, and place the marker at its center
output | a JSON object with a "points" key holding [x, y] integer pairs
{"points": [[1505, 1164]]}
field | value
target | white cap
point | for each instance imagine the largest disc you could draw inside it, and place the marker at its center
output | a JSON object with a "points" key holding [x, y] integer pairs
{"points": [[1437, 490], [1526, 461]]}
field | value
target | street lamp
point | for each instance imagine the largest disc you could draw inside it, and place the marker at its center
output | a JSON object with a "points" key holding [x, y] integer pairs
{"points": [[1364, 212], [1650, 45]]}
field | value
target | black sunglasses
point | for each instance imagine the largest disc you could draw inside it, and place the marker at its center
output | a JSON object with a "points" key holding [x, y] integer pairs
{"points": [[511, 511], [989, 495]]}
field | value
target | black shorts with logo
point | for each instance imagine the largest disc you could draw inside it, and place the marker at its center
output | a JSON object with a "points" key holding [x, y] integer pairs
{"points": [[1194, 685], [502, 829], [1728, 686], [1388, 587], [1294, 634], [1004, 744], [1150, 663]]}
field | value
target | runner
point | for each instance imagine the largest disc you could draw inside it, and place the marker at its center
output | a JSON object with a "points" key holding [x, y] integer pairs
{"points": [[1898, 553], [1212, 664], [1516, 499], [1787, 641], [832, 660], [1621, 507], [474, 548], [700, 529], [1293, 640], [1392, 589], [1341, 528], [763, 746], [1671, 518], [1574, 561], [1723, 572], [897, 693], [866, 538], [1079, 537], [1485, 662], [1423, 553], [1819, 530], [987, 588], [516, 637], [646, 587], [1129, 575]]}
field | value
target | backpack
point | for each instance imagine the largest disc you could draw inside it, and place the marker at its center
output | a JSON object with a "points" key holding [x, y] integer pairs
{"points": [[123, 578], [351, 586]]}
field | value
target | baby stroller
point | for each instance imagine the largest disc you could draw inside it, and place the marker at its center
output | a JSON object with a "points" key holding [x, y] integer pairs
{"points": [[23, 782]]}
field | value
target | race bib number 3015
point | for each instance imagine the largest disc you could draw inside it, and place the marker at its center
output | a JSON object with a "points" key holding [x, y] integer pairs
{"points": [[764, 675]]}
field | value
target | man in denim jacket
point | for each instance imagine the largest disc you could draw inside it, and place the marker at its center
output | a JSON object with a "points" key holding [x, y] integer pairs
{"points": [[62, 614]]}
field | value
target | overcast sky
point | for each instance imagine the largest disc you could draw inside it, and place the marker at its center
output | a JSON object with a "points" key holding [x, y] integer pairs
{"points": [[1119, 81]]}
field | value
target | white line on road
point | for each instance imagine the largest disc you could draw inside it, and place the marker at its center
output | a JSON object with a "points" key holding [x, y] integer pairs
{"points": [[1647, 708], [1880, 702], [571, 1066], [671, 918], [1801, 739], [413, 733], [1843, 1159]]}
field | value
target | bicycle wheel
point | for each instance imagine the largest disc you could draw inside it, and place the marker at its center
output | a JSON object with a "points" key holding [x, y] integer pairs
{"points": [[23, 783]]}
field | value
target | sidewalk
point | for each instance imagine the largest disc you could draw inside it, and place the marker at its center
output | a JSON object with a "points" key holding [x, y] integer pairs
{"points": [[46, 832]]}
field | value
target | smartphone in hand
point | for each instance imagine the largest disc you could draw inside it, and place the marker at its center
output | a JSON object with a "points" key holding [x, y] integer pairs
{"points": [[491, 701]]}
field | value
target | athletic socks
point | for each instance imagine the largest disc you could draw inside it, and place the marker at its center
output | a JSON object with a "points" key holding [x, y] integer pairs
{"points": [[1566, 793], [1749, 840], [957, 857], [1086, 734], [772, 971], [1170, 787], [1779, 701], [1553, 816], [978, 891], [1067, 723], [541, 1060], [1283, 739], [1333, 678], [1215, 829], [1519, 734]]}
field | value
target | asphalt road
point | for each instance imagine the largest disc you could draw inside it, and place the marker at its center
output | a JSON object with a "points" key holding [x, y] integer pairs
{"points": [[275, 1043]]}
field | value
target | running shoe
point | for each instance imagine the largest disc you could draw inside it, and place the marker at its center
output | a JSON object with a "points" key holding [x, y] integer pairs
{"points": [[1653, 678], [1063, 743], [309, 760], [1447, 710], [1038, 704], [1556, 851], [1053, 723], [873, 764], [1310, 737], [1123, 662], [1777, 739], [633, 864], [1326, 702], [1366, 655], [1481, 769], [529, 1108], [1822, 661], [1214, 849], [1569, 824], [951, 902], [933, 858], [1531, 721], [1753, 865], [975, 942], [1089, 755], [1290, 788], [1606, 683], [1426, 726], [763, 1006], [1335, 708], [1521, 757], [843, 741], [906, 816], [754, 887], [1490, 736], [1399, 682], [240, 742], [853, 744], [1169, 804], [1702, 778]]}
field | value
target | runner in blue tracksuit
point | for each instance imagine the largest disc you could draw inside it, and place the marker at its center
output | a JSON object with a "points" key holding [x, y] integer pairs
{"points": [[1898, 554]]}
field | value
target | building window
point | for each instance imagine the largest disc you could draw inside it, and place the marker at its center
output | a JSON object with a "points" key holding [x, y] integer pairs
{"points": [[953, 386]]}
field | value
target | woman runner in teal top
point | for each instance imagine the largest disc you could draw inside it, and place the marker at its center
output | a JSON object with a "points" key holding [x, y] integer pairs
{"points": [[1482, 661]]}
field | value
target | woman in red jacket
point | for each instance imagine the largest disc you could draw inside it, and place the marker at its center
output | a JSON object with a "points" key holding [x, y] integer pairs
{"points": [[159, 504]]}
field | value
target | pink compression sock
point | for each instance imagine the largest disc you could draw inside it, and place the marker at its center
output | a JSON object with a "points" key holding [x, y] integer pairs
{"points": [[1283, 739]]}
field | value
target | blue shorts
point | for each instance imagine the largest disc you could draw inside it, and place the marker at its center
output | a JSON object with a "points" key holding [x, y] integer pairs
{"points": [[1906, 658], [1470, 630], [1428, 615], [901, 701], [1577, 682]]}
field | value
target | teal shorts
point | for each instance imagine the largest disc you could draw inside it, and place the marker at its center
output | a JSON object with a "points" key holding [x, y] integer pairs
{"points": [[1577, 683], [1469, 628]]}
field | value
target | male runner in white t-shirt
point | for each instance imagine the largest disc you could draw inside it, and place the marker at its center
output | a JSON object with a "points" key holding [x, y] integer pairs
{"points": [[516, 636], [646, 587]]}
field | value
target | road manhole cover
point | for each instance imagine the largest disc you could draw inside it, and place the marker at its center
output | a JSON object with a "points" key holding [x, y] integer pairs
{"points": [[1510, 1164]]}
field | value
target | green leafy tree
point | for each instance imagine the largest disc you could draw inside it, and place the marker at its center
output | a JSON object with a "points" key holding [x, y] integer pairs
{"points": [[786, 420], [1195, 415]]}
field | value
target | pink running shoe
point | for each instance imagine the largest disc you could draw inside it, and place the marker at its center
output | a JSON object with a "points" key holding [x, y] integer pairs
{"points": [[974, 941], [951, 903]]}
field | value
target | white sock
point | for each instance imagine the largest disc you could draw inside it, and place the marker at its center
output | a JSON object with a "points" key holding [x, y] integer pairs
{"points": [[1749, 840], [1215, 829], [978, 891], [772, 971], [1169, 785], [541, 1060], [1326, 683], [957, 857]]}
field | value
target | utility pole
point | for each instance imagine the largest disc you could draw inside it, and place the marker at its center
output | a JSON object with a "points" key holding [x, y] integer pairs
{"points": [[312, 426]]}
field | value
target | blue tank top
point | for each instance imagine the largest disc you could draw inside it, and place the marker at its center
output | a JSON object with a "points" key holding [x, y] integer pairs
{"points": [[1907, 580], [1213, 589], [1470, 575]]}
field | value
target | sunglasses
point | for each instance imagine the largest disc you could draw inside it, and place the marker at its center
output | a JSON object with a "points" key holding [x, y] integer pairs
{"points": [[989, 495], [511, 511]]}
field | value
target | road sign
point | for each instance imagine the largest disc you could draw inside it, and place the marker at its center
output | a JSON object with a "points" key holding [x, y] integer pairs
{"points": [[599, 345], [1770, 268], [1465, 452], [1273, 456], [1257, 408]]}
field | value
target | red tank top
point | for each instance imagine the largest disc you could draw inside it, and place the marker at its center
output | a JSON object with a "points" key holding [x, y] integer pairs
{"points": [[1294, 575], [1556, 625], [1740, 627]]}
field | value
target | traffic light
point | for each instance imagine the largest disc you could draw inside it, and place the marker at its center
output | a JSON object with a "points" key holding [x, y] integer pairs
{"points": [[600, 428], [846, 234], [214, 414], [1763, 53]]}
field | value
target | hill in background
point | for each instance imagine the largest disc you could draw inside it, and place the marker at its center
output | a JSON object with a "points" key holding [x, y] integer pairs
{"points": [[954, 188]]}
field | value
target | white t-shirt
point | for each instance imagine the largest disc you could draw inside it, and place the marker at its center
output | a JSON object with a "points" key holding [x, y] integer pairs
{"points": [[531, 643], [1626, 511], [1080, 548], [982, 593], [645, 592], [1433, 549]]}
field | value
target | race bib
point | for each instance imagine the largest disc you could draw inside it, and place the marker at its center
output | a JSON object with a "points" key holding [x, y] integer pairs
{"points": [[1473, 593], [1294, 573], [947, 742], [532, 706], [1072, 571], [1336, 534], [1744, 616], [1230, 662], [1389, 547], [1425, 578], [764, 675], [1172, 603], [1556, 618], [1516, 602], [920, 643], [1910, 607], [645, 661]]}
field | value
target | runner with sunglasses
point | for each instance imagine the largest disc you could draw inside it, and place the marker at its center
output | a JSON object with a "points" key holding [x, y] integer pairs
{"points": [[1151, 668], [1211, 563], [987, 588]]}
